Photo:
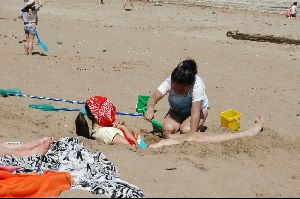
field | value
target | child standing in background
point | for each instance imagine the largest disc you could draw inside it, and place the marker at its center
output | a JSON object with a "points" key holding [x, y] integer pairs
{"points": [[293, 11], [30, 19], [187, 99]]}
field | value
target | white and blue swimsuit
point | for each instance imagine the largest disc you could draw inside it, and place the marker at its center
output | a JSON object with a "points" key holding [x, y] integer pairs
{"points": [[182, 104]]}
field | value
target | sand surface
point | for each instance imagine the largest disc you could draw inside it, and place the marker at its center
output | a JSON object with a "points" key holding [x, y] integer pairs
{"points": [[103, 50]]}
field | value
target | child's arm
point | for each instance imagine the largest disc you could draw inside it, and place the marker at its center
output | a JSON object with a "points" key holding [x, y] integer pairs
{"points": [[38, 4], [195, 116], [155, 97], [127, 132]]}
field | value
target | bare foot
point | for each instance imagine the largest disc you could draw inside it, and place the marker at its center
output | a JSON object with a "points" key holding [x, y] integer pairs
{"points": [[32, 145], [44, 140], [257, 127], [42, 149]]}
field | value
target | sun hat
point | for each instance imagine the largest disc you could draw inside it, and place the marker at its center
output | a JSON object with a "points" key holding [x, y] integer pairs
{"points": [[27, 3]]}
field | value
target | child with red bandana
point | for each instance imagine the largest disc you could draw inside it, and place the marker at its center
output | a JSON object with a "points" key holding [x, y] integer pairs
{"points": [[102, 114]]}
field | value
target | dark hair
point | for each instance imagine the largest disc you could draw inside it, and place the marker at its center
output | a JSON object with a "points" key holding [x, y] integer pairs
{"points": [[185, 72], [31, 6], [82, 127], [295, 3]]}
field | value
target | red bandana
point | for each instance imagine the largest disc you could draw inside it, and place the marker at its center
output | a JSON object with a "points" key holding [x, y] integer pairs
{"points": [[103, 110]]}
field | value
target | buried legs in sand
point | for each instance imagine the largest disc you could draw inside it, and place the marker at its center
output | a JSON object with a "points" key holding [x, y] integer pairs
{"points": [[198, 137], [39, 147]]}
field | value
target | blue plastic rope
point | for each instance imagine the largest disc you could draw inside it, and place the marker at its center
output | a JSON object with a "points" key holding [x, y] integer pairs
{"points": [[47, 98], [69, 101]]}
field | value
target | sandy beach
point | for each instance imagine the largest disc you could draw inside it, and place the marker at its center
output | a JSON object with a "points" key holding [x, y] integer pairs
{"points": [[103, 50]]}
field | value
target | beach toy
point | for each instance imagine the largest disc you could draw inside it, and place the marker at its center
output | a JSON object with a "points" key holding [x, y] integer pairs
{"points": [[49, 107], [17, 92], [230, 119], [9, 92], [141, 107], [40, 43], [141, 142]]}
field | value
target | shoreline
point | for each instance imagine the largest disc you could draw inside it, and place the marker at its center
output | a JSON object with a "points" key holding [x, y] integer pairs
{"points": [[265, 8]]}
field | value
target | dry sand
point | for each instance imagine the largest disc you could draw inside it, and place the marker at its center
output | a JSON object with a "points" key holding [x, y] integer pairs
{"points": [[104, 50]]}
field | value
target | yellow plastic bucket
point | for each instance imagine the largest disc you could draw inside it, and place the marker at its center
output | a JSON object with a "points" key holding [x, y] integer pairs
{"points": [[230, 119]]}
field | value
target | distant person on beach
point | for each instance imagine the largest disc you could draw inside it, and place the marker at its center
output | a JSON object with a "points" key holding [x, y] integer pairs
{"points": [[102, 113], [30, 19], [198, 137], [101, 2], [293, 11], [38, 147], [187, 100], [125, 4]]}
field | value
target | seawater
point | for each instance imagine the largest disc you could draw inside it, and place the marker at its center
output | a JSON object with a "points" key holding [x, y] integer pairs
{"points": [[272, 6]]}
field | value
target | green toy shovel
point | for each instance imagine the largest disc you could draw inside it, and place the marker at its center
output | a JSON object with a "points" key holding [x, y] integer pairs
{"points": [[141, 107]]}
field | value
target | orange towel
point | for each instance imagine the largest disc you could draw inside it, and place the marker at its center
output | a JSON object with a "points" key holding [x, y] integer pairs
{"points": [[33, 185]]}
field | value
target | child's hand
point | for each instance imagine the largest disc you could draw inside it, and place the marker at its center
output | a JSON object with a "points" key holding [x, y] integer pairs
{"points": [[149, 115], [118, 124]]}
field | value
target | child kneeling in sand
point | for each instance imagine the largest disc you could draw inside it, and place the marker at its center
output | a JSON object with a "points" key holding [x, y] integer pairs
{"points": [[102, 114], [187, 100]]}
